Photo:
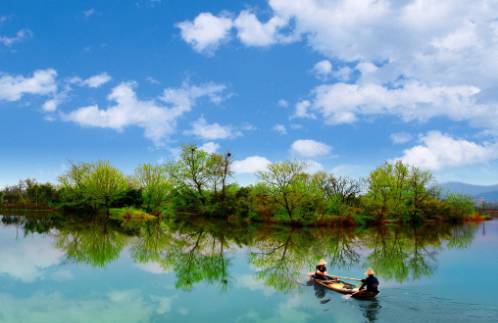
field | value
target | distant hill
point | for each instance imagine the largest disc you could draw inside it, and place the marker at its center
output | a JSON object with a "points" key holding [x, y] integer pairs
{"points": [[480, 192], [488, 196]]}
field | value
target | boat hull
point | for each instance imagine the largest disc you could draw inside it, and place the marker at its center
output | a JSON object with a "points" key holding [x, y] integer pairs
{"points": [[344, 288]]}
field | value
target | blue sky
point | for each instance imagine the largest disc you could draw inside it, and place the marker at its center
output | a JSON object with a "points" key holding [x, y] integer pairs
{"points": [[344, 85]]}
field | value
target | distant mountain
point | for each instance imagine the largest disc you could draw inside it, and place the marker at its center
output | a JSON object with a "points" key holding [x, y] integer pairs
{"points": [[488, 196], [480, 192]]}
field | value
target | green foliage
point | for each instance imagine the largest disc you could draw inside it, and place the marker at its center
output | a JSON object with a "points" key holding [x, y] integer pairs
{"points": [[286, 183], [96, 186], [154, 184], [200, 184], [103, 185], [458, 206], [29, 194], [397, 192]]}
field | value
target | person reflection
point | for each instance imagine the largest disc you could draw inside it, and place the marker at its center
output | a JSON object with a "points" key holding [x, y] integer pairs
{"points": [[320, 291], [370, 309]]}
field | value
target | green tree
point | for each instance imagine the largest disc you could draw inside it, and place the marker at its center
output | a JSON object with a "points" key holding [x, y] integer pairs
{"points": [[287, 184], [459, 206], [193, 171], [397, 191], [72, 188], [103, 185], [154, 184]]}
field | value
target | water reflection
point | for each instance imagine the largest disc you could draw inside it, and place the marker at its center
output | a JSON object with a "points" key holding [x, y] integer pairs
{"points": [[199, 251]]}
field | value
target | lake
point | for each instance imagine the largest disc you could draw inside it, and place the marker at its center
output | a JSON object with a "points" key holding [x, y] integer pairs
{"points": [[59, 268]]}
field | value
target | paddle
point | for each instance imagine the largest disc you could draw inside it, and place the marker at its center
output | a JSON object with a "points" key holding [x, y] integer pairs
{"points": [[347, 278]]}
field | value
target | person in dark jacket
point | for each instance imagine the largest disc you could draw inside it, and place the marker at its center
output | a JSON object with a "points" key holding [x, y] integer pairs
{"points": [[371, 282], [321, 270]]}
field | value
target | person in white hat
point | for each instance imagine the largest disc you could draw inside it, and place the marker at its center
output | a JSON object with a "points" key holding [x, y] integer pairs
{"points": [[371, 282], [321, 270]]}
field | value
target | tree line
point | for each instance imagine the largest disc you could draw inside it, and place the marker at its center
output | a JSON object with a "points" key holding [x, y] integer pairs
{"points": [[201, 184]]}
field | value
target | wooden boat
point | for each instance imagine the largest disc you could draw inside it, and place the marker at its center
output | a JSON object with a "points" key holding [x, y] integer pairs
{"points": [[337, 285]]}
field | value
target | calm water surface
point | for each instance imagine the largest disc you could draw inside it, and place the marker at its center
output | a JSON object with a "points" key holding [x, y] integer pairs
{"points": [[64, 269]]}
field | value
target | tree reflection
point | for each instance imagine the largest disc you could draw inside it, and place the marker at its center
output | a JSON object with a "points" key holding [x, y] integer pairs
{"points": [[198, 256], [95, 242], [282, 255], [198, 251]]}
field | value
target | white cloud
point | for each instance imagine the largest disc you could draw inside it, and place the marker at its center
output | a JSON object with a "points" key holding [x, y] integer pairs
{"points": [[57, 99], [431, 56], [210, 147], [94, 81], [210, 131], [206, 32], [310, 148], [42, 82], [157, 119], [438, 150], [21, 35], [401, 137], [343, 103], [302, 110], [313, 166], [252, 32], [152, 267], [323, 69], [97, 80], [280, 128], [252, 164], [453, 42], [62, 275], [283, 103], [152, 80], [253, 284], [89, 12], [55, 307], [26, 259]]}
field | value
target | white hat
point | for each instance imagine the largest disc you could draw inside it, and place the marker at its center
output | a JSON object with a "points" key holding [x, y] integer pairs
{"points": [[369, 272]]}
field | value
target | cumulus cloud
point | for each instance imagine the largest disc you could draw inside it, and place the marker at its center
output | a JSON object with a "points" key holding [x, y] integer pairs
{"points": [[444, 40], [97, 80], [280, 128], [323, 69], [253, 32], [313, 166], [53, 103], [210, 131], [20, 36], [438, 150], [206, 31], [249, 165], [13, 87], [303, 110], [342, 103], [94, 81], [210, 147], [156, 117], [283, 103], [310, 148], [401, 137], [433, 57]]}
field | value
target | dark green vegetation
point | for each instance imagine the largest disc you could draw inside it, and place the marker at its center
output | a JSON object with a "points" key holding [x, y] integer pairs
{"points": [[201, 251], [199, 184]]}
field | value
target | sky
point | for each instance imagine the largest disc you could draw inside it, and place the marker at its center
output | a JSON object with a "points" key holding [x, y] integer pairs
{"points": [[342, 85]]}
